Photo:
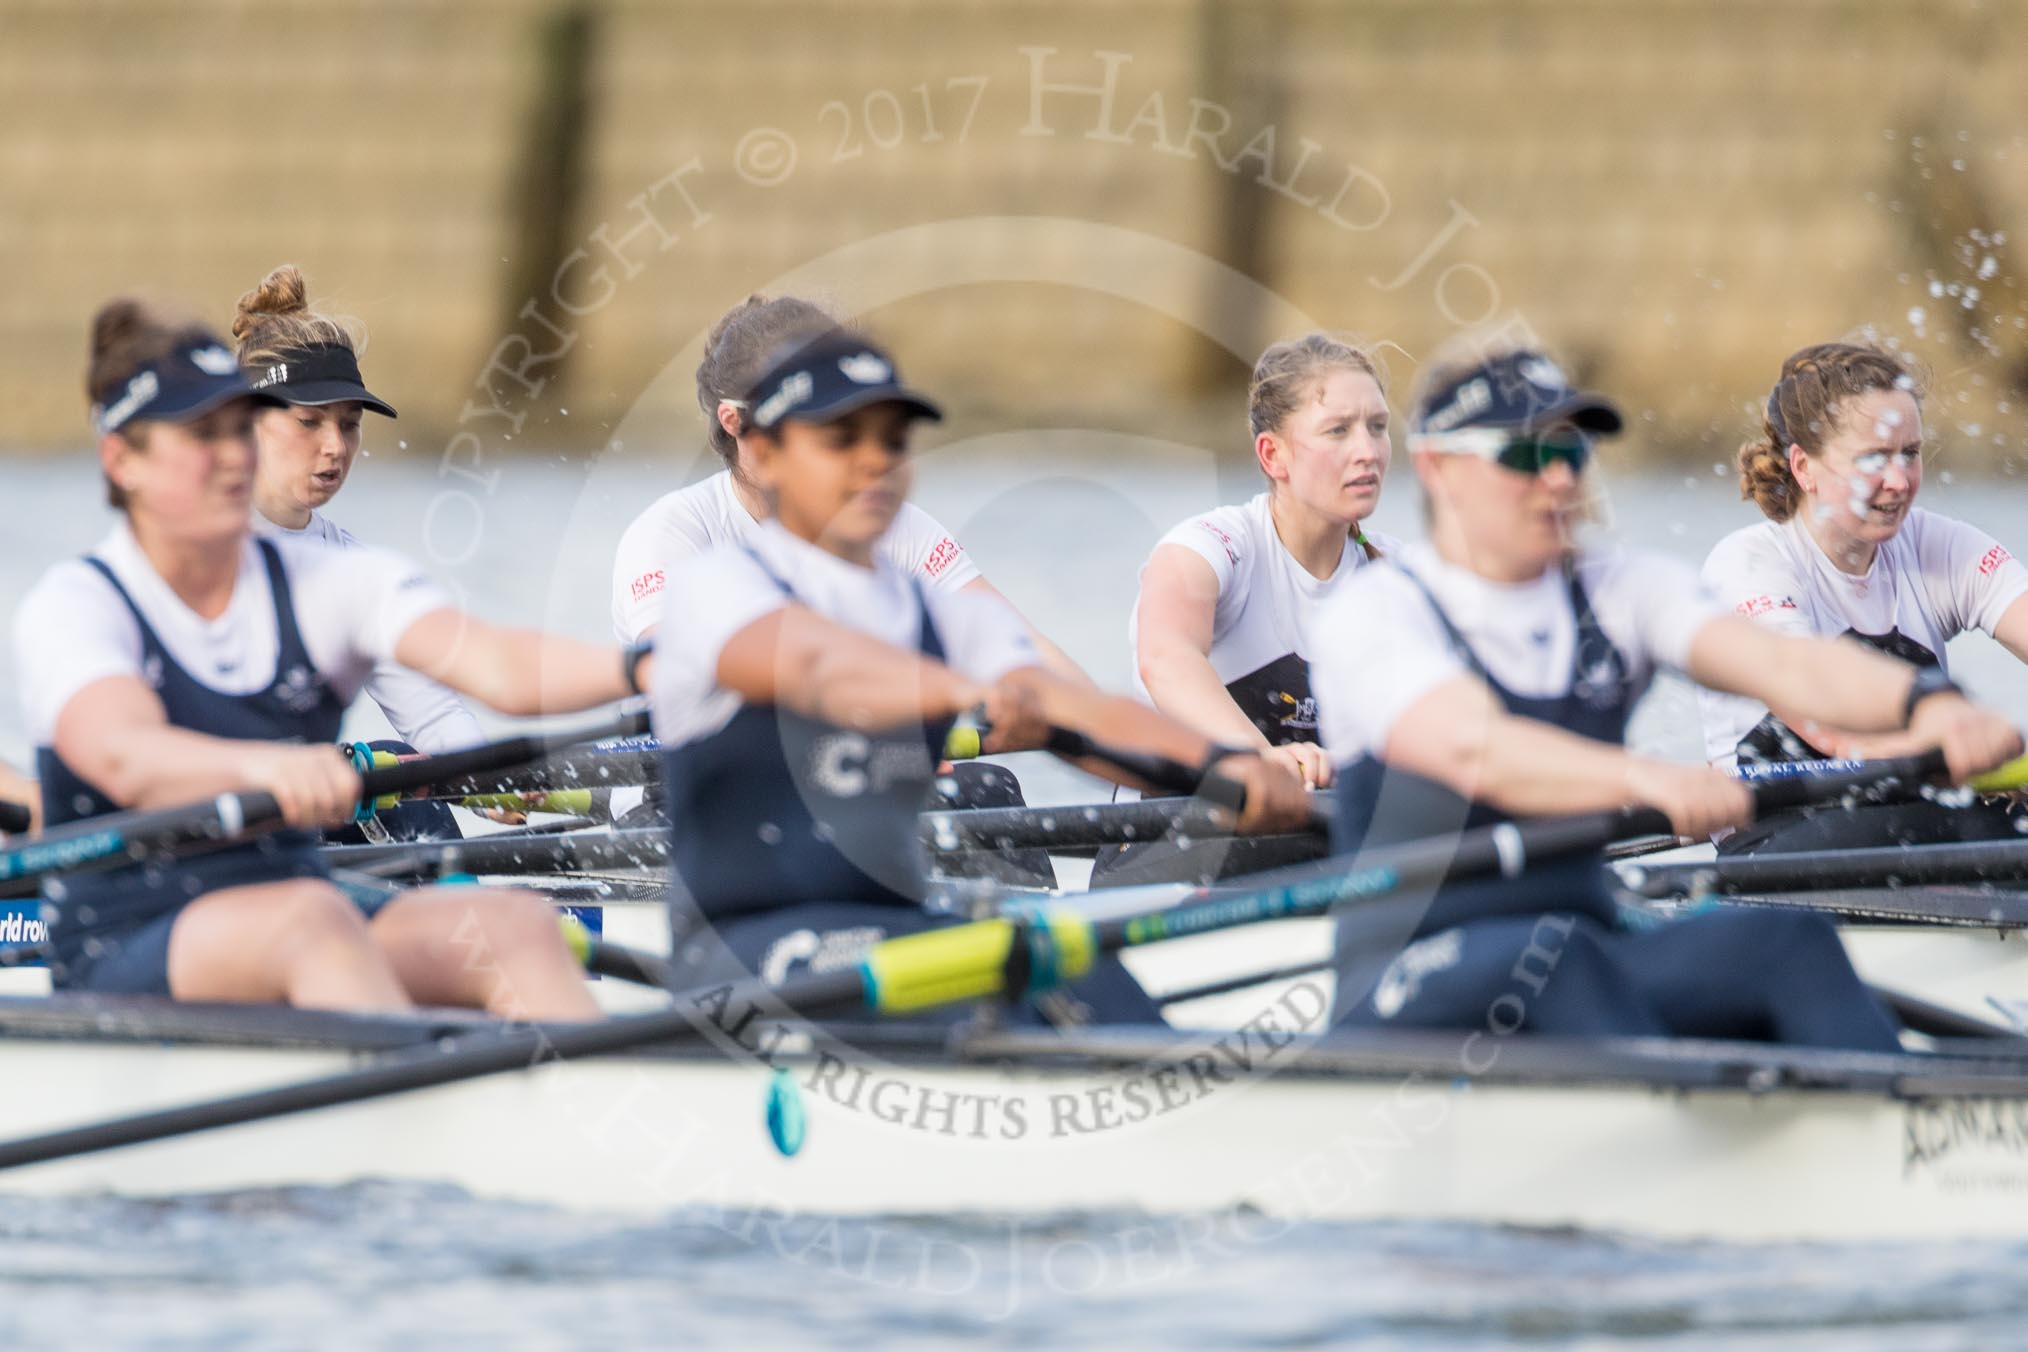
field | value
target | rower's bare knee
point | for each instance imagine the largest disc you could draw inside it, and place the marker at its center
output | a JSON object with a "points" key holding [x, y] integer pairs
{"points": [[520, 922], [316, 915]]}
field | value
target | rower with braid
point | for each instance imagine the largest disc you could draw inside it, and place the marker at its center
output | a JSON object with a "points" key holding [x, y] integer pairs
{"points": [[187, 657], [1220, 628], [1488, 675], [1846, 553], [802, 712]]}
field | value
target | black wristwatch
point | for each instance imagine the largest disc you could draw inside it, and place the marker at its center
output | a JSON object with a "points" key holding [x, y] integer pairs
{"points": [[1216, 788], [630, 663], [1928, 681]]}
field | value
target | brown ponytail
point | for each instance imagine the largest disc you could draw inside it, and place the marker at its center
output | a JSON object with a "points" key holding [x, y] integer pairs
{"points": [[1803, 410]]}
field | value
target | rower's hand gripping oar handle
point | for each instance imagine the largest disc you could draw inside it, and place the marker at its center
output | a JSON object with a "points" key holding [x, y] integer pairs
{"points": [[1202, 781]]}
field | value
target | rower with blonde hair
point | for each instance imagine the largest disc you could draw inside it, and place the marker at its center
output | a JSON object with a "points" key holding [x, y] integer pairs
{"points": [[1221, 628], [307, 365]]}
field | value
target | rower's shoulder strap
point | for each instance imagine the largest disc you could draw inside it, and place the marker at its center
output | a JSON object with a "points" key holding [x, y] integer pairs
{"points": [[105, 570], [1451, 632], [1592, 639], [770, 574]]}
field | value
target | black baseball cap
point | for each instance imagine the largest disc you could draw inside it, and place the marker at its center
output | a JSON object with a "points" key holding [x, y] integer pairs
{"points": [[196, 377], [326, 373], [828, 377], [1519, 391]]}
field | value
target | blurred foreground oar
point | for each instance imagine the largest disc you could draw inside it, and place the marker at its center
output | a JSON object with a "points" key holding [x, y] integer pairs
{"points": [[128, 837]]}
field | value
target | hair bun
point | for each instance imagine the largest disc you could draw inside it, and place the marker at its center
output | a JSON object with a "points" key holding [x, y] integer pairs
{"points": [[119, 321], [281, 292]]}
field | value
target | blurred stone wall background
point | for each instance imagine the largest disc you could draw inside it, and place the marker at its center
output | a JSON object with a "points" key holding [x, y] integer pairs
{"points": [[537, 206]]}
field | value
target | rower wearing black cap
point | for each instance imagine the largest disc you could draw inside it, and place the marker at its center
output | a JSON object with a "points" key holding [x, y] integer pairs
{"points": [[306, 365], [1488, 675], [803, 709], [186, 658]]}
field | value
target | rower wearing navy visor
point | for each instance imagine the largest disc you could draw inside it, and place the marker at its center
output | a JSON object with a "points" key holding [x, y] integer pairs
{"points": [[186, 657], [1846, 553], [803, 711], [728, 507], [1488, 675]]}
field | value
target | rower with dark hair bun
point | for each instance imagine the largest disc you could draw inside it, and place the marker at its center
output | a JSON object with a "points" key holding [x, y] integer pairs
{"points": [[1846, 553], [804, 709], [727, 507], [186, 658]]}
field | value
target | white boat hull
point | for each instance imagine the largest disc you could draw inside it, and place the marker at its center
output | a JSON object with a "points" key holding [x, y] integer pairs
{"points": [[1382, 1140]]}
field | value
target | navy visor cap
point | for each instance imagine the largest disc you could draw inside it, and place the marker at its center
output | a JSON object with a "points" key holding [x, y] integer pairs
{"points": [[1521, 391], [829, 377]]}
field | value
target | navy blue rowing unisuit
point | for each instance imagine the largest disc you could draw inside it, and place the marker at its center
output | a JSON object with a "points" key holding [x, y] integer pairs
{"points": [[109, 931], [1548, 939], [797, 843]]}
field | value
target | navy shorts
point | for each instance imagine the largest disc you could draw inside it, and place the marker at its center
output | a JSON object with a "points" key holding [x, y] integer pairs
{"points": [[110, 931]]}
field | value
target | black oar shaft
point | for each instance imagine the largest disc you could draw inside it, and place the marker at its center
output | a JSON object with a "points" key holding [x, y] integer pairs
{"points": [[1072, 827], [645, 848], [589, 768], [468, 1058], [127, 837]]}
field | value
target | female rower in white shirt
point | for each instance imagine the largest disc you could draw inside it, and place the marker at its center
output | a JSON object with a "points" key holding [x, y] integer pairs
{"points": [[1846, 553], [1489, 675], [187, 657], [1219, 628], [308, 365], [728, 507], [815, 680]]}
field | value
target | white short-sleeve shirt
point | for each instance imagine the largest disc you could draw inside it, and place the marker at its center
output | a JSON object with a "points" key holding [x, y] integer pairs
{"points": [[352, 606], [1380, 646], [1266, 599], [1937, 578], [691, 520], [428, 716], [714, 595]]}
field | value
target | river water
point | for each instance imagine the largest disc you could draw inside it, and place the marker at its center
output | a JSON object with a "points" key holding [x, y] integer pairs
{"points": [[1059, 521]]}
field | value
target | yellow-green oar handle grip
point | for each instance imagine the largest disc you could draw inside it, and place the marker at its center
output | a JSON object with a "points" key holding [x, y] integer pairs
{"points": [[969, 962], [961, 743], [2005, 779], [568, 802]]}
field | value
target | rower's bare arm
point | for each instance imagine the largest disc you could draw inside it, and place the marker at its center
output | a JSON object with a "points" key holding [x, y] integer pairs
{"points": [[1275, 798], [1053, 657], [116, 734], [1848, 699], [1172, 647], [799, 660], [1459, 735], [514, 671], [1835, 682], [2012, 630]]}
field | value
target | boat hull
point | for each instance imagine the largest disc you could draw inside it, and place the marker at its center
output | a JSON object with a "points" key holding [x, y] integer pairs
{"points": [[1676, 1140]]}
